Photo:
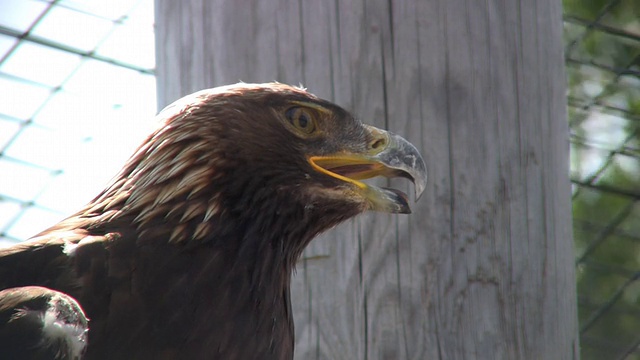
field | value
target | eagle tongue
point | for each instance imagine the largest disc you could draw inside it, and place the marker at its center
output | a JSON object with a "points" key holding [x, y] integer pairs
{"points": [[395, 201]]}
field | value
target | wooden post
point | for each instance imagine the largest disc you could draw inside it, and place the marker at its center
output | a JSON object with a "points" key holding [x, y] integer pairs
{"points": [[483, 268]]}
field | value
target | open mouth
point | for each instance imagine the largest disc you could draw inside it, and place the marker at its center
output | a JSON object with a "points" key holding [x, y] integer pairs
{"points": [[352, 169], [397, 158]]}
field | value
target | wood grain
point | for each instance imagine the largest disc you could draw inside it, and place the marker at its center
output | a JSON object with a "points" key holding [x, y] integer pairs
{"points": [[483, 268]]}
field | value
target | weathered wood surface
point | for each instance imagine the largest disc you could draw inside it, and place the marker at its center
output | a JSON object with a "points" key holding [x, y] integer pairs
{"points": [[483, 269]]}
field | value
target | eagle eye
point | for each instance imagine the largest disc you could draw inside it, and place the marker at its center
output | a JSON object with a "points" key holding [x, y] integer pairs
{"points": [[302, 119]]}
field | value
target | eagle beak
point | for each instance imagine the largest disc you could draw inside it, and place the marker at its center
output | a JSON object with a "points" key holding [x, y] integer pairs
{"points": [[387, 155]]}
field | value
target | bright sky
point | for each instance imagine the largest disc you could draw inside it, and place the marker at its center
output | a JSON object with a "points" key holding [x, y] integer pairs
{"points": [[69, 118]]}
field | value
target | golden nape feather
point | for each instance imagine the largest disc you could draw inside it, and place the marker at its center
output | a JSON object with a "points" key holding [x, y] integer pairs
{"points": [[188, 252]]}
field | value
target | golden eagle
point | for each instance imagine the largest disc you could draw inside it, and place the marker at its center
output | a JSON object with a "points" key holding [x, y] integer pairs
{"points": [[188, 252]]}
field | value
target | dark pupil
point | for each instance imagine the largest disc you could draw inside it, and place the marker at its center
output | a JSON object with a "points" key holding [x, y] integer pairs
{"points": [[303, 121]]}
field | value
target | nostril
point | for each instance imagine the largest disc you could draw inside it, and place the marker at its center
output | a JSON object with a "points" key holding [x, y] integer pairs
{"points": [[378, 143]]}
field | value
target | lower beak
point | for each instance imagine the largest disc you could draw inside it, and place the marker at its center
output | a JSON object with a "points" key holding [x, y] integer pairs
{"points": [[396, 158]]}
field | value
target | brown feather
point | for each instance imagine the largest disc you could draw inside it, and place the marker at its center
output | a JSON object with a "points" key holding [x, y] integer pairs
{"points": [[188, 252]]}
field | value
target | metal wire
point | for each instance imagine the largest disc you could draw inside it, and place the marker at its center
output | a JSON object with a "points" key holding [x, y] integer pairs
{"points": [[605, 206]]}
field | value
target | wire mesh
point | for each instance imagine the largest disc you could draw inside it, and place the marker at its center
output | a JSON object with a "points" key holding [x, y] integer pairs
{"points": [[603, 68], [74, 76]]}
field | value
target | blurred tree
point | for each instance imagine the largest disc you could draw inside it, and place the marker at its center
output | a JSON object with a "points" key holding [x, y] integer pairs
{"points": [[603, 62]]}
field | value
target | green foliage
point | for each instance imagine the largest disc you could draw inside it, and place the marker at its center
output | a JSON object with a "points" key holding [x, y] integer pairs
{"points": [[587, 9], [603, 63]]}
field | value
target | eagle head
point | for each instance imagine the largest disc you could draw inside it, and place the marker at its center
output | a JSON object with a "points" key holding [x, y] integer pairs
{"points": [[270, 159]]}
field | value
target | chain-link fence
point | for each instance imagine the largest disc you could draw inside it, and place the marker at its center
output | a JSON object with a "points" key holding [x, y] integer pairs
{"points": [[73, 74], [603, 67]]}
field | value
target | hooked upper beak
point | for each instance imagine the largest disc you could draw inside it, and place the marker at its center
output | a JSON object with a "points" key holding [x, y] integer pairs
{"points": [[387, 155]]}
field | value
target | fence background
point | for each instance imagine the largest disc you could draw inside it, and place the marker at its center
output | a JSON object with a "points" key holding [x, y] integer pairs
{"points": [[603, 68], [73, 71]]}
